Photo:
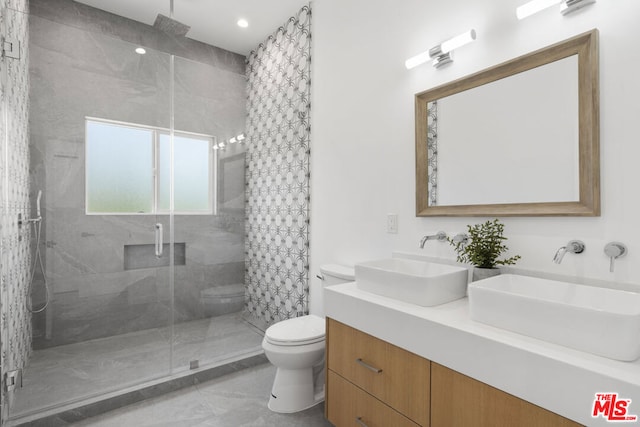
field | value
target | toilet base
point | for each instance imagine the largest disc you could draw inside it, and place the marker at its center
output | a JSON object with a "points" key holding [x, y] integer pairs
{"points": [[293, 391]]}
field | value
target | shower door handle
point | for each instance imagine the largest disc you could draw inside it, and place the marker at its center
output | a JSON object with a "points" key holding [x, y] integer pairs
{"points": [[158, 240]]}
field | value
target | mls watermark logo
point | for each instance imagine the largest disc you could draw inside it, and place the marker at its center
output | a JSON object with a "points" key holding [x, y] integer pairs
{"points": [[612, 408]]}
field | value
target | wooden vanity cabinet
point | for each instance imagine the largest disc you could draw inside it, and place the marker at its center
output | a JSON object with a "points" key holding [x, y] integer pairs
{"points": [[458, 400], [349, 405], [373, 383], [385, 378]]}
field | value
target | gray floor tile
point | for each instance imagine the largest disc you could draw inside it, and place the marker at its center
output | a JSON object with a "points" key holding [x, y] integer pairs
{"points": [[236, 400]]}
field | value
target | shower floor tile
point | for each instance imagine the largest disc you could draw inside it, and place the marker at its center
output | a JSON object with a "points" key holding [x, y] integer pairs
{"points": [[73, 372]]}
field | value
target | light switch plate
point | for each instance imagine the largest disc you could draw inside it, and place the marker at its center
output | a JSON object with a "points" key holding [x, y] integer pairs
{"points": [[392, 223]]}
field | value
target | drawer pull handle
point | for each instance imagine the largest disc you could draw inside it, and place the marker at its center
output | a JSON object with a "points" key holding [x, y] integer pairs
{"points": [[369, 367], [360, 422]]}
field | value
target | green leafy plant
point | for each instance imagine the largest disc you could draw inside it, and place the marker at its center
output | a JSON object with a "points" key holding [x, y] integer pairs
{"points": [[485, 245]]}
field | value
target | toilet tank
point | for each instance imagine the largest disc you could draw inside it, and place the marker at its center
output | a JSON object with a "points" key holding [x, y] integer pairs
{"points": [[334, 274]]}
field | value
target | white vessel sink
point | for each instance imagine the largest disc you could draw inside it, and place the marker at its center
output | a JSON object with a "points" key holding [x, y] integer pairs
{"points": [[418, 282], [601, 321]]}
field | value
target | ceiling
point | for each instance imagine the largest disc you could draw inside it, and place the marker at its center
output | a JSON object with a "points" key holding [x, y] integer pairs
{"points": [[212, 21]]}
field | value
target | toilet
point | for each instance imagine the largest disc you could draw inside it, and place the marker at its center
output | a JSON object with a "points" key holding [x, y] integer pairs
{"points": [[296, 348]]}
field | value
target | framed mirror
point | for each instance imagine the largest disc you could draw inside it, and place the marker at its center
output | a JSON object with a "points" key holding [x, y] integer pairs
{"points": [[517, 139]]}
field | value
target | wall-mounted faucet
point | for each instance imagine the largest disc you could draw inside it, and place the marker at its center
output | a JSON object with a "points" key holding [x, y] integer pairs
{"points": [[440, 237], [614, 250], [574, 247]]}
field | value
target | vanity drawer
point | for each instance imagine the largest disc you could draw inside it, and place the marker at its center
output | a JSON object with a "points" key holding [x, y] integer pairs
{"points": [[395, 376], [347, 405]]}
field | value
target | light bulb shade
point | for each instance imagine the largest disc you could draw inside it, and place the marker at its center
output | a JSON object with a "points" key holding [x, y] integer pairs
{"points": [[534, 7], [417, 60], [458, 41], [240, 137]]}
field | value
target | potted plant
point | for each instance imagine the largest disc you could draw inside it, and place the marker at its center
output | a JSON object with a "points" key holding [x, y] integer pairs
{"points": [[482, 249]]}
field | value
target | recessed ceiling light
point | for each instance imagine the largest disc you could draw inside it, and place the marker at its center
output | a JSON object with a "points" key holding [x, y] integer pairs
{"points": [[242, 23], [140, 51]]}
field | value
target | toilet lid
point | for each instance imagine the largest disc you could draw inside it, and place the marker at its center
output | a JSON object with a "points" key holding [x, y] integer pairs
{"points": [[297, 331]]}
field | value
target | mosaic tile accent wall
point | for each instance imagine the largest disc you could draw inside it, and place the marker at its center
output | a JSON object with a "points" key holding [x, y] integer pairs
{"points": [[432, 152], [277, 206], [15, 254]]}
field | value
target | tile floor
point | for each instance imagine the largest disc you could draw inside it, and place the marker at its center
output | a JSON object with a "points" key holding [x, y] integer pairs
{"points": [[79, 371], [235, 400]]}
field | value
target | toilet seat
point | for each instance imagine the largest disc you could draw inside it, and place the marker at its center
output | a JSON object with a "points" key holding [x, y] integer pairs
{"points": [[297, 331]]}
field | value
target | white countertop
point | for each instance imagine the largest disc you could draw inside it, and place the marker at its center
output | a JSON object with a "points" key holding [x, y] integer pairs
{"points": [[557, 378]]}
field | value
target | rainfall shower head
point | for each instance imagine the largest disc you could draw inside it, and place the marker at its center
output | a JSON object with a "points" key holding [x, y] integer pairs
{"points": [[171, 26]]}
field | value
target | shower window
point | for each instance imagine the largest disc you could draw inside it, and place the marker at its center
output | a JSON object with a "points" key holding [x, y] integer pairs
{"points": [[191, 169], [128, 170]]}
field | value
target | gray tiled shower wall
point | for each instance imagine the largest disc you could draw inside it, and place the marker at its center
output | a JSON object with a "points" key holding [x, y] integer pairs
{"points": [[82, 64]]}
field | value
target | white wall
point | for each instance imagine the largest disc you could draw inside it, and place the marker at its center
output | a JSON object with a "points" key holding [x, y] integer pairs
{"points": [[363, 128]]}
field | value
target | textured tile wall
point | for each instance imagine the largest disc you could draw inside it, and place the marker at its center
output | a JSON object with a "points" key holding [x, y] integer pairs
{"points": [[15, 257], [278, 128]]}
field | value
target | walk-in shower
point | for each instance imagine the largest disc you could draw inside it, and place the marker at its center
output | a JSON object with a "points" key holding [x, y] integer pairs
{"points": [[135, 231], [173, 180]]}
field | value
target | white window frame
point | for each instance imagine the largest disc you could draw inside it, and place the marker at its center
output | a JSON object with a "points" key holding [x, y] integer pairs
{"points": [[157, 131]]}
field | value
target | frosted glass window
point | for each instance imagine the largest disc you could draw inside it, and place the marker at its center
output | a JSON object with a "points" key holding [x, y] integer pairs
{"points": [[191, 174], [121, 176], [119, 163]]}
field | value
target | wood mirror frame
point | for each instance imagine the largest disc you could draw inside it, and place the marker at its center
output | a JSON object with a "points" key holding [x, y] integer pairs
{"points": [[586, 47]]}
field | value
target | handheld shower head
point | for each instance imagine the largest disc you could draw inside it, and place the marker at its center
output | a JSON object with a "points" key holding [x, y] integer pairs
{"points": [[38, 203], [38, 216]]}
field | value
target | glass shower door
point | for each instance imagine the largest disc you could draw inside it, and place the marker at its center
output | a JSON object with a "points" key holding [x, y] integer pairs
{"points": [[141, 167], [98, 109], [209, 217]]}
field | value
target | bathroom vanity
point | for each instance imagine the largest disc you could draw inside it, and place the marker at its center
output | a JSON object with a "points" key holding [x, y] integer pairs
{"points": [[393, 363], [382, 381]]}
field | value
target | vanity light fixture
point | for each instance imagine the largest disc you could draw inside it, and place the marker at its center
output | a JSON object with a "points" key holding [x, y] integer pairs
{"points": [[441, 54], [535, 6], [240, 137], [232, 140], [568, 6]]}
